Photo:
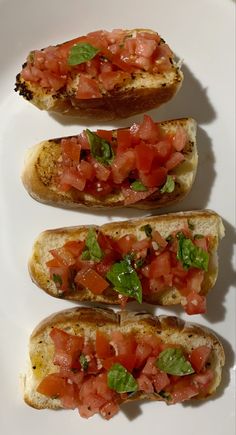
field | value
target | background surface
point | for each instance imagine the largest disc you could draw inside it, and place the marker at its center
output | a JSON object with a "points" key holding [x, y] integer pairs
{"points": [[202, 34]]}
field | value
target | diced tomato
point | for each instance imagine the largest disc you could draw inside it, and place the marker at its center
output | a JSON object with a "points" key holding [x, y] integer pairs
{"points": [[145, 47], [93, 67], [195, 278], [161, 242], [154, 342], [203, 380], [52, 385], [99, 188], [155, 178], [73, 178], [183, 390], [88, 88], [175, 159], [148, 130], [161, 266], [163, 150], [61, 276], [199, 357], [105, 264], [71, 150], [131, 196], [67, 347], [105, 134], [144, 154], [141, 246], [75, 247], [150, 367], [83, 140], [124, 140], [143, 351], [64, 256], [86, 170], [125, 346], [145, 384], [201, 243], [196, 304], [101, 171], [124, 244], [160, 381], [113, 78], [179, 139], [122, 165], [103, 348], [109, 409], [92, 280]]}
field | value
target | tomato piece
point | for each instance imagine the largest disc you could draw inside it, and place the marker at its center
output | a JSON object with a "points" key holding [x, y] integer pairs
{"points": [[149, 130], [155, 178], [141, 246], [122, 165], [73, 178], [109, 409], [87, 88], [144, 154], [175, 159], [61, 276], [145, 384], [75, 247], [161, 266], [101, 171], [99, 188], [150, 367], [67, 347], [105, 134], [199, 357], [83, 140], [111, 79], [103, 348], [201, 243], [131, 196], [195, 278], [124, 244], [183, 390], [143, 351], [195, 303], [125, 346], [91, 280], [203, 380], [71, 150], [157, 237], [124, 140], [92, 67], [160, 381], [163, 150], [52, 385], [86, 170], [145, 47], [64, 256], [179, 139]]}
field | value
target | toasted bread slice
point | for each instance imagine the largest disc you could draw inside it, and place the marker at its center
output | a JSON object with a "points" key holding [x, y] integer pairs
{"points": [[144, 91], [86, 321], [41, 170], [206, 223]]}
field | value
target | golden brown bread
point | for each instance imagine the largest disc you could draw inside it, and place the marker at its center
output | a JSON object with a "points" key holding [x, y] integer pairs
{"points": [[85, 321], [145, 92], [40, 170], [204, 222]]}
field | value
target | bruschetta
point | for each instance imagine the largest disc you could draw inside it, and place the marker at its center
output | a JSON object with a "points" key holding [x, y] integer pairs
{"points": [[163, 260], [149, 165], [95, 360], [101, 76]]}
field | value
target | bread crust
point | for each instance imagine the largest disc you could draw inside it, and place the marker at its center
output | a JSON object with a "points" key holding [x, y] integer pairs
{"points": [[205, 222], [40, 170], [87, 320], [145, 92]]}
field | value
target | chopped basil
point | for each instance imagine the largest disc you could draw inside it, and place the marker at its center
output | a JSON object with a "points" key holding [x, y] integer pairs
{"points": [[120, 380], [147, 229], [81, 53], [190, 225], [138, 186], [93, 251], [191, 255], [173, 362], [101, 150], [125, 279], [84, 362], [169, 185], [57, 279]]}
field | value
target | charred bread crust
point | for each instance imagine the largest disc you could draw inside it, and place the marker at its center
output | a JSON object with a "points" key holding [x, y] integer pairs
{"points": [[87, 320], [40, 170], [146, 91], [205, 222]]}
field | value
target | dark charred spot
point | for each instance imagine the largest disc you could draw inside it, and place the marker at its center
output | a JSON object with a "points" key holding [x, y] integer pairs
{"points": [[22, 89]]}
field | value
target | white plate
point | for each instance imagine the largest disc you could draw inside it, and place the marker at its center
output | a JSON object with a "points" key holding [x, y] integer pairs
{"points": [[200, 32]]}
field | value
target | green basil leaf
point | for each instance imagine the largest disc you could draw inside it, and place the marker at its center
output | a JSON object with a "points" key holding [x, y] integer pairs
{"points": [[120, 380], [57, 279], [169, 185], [138, 186], [81, 52], [173, 362], [191, 255], [125, 279], [93, 251], [101, 150], [84, 362], [190, 225], [147, 229]]}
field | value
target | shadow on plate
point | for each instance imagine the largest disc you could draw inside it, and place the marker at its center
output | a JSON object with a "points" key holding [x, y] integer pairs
{"points": [[191, 101]]}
